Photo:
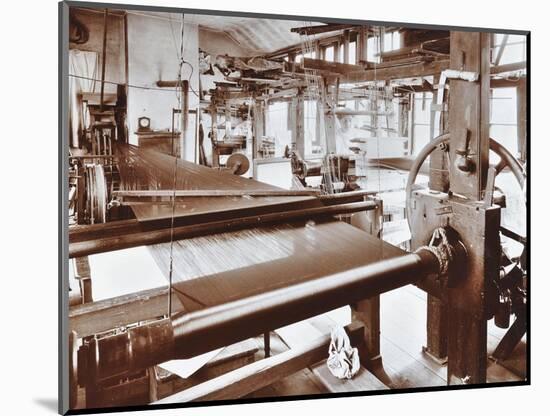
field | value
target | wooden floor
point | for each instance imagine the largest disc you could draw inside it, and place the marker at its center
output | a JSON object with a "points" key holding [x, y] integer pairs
{"points": [[403, 331]]}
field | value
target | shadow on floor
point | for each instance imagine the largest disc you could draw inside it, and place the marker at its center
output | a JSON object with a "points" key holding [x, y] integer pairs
{"points": [[47, 403]]}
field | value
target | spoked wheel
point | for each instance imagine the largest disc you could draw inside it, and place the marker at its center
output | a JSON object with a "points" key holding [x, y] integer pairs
{"points": [[510, 284], [442, 143]]}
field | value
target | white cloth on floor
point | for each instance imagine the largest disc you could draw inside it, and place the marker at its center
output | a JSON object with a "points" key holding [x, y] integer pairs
{"points": [[343, 360]]}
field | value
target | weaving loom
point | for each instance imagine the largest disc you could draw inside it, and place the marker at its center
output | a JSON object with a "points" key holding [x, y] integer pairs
{"points": [[226, 260], [213, 269]]}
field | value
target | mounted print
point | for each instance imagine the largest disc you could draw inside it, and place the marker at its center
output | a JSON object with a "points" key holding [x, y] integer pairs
{"points": [[267, 207]]}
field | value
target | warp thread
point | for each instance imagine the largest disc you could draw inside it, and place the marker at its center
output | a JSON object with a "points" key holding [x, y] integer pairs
{"points": [[343, 360]]}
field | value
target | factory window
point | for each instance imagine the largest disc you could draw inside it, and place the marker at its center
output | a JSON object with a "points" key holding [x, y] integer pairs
{"points": [[508, 49], [329, 53], [503, 121], [352, 53], [421, 121], [373, 49], [391, 41], [277, 126], [312, 144]]}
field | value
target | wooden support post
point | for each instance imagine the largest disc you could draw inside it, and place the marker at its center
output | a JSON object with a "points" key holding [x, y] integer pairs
{"points": [[437, 330], [367, 312], [336, 54], [439, 171], [214, 133], [184, 115], [298, 138], [467, 349], [258, 126], [469, 155], [267, 344], [362, 45], [227, 119], [522, 118], [84, 276], [403, 117], [103, 59], [469, 113], [81, 192], [346, 48]]}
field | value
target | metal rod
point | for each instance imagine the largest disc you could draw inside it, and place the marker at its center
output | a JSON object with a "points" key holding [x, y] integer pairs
{"points": [[213, 193], [103, 58], [101, 245]]}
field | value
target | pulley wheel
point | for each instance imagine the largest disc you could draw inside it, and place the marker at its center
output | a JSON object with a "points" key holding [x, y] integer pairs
{"points": [[238, 163], [96, 194]]}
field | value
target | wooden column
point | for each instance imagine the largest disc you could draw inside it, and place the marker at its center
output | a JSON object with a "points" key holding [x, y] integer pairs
{"points": [[330, 126], [522, 118], [258, 126], [469, 155], [436, 329], [184, 115], [439, 171], [346, 48], [362, 45], [214, 133], [469, 113], [227, 119], [336, 48], [367, 312], [297, 111], [403, 117]]}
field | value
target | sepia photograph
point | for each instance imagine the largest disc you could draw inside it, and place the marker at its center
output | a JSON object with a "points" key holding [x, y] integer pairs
{"points": [[261, 208]]}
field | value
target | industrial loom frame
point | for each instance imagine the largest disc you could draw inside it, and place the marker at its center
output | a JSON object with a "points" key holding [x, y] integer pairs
{"points": [[456, 237]]}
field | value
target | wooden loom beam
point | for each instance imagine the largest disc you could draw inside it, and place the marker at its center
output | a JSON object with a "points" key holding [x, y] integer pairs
{"points": [[101, 245]]}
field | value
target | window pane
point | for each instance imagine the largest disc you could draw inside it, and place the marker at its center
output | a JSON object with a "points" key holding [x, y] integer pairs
{"points": [[277, 126], [422, 108], [421, 138], [512, 53], [352, 52], [503, 106], [312, 145], [329, 53], [507, 136], [396, 40], [372, 49], [388, 46]]}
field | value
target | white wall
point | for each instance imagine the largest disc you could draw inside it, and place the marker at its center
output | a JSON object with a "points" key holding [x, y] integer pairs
{"points": [[153, 50], [114, 62]]}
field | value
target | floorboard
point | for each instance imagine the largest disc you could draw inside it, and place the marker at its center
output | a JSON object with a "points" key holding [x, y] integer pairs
{"points": [[403, 331]]}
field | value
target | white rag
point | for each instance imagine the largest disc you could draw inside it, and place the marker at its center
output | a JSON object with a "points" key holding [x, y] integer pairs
{"points": [[343, 360]]}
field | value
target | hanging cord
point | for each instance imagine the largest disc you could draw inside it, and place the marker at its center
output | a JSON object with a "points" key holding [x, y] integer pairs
{"points": [[171, 266]]}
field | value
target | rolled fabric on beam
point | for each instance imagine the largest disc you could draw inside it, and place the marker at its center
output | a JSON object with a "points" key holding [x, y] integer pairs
{"points": [[186, 335], [211, 328]]}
